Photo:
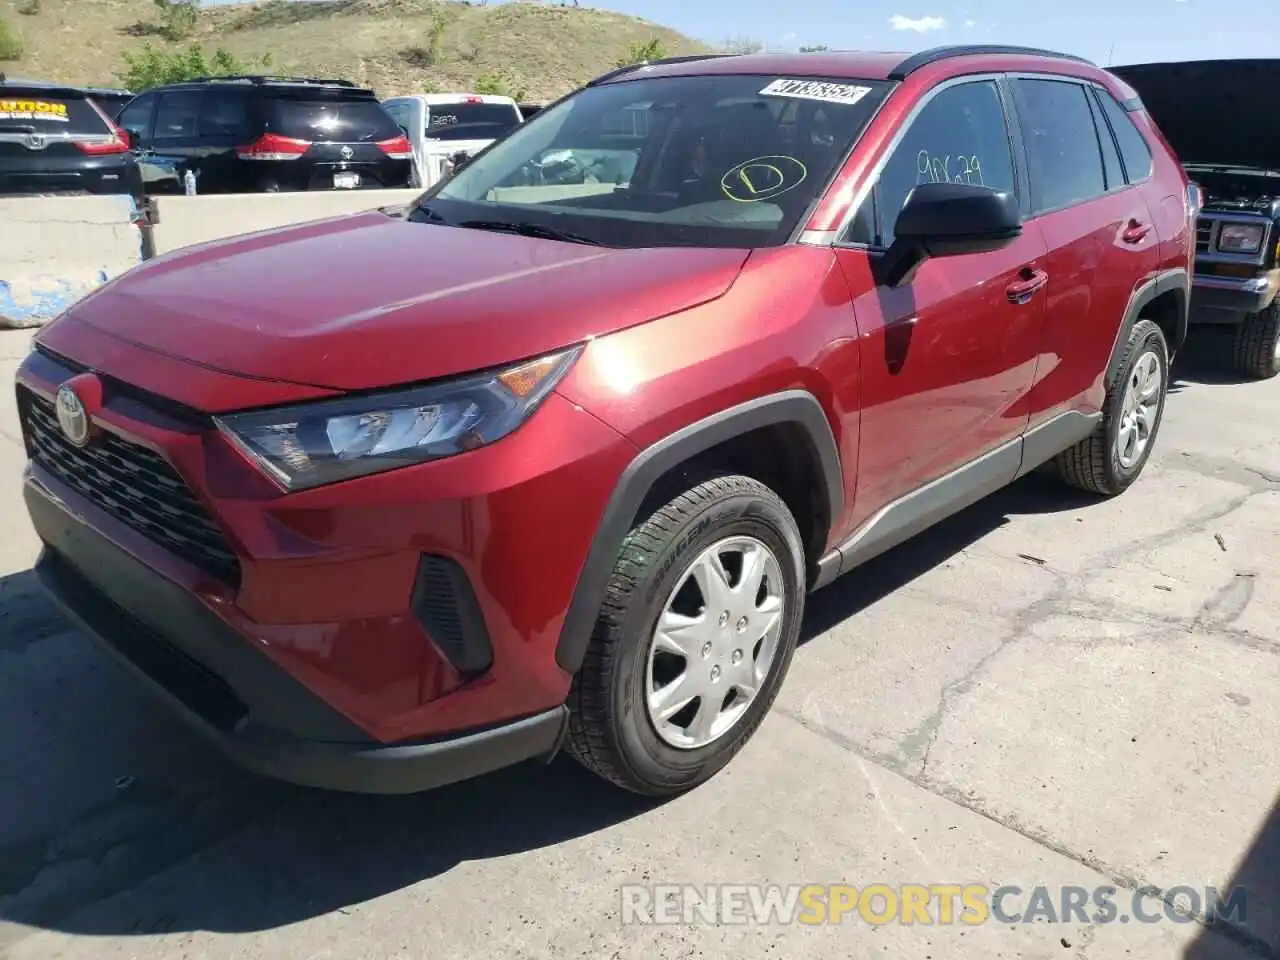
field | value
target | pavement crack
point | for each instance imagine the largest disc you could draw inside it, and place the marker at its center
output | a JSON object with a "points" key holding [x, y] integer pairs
{"points": [[918, 742], [971, 802]]}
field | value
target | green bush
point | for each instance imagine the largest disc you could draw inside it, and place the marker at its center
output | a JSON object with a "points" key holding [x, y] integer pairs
{"points": [[644, 50], [10, 43], [178, 18], [495, 84], [154, 68]]}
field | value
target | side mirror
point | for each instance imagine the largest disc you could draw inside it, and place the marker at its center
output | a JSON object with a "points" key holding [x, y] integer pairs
{"points": [[132, 138], [947, 220]]}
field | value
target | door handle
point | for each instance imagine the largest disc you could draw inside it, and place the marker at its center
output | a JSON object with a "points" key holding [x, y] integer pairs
{"points": [[1136, 232], [1023, 290]]}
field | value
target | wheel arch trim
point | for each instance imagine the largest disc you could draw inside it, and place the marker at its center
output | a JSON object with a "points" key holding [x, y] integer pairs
{"points": [[1175, 280], [789, 407]]}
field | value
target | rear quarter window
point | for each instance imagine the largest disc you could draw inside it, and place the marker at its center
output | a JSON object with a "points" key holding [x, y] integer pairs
{"points": [[330, 120], [37, 113], [1133, 146]]}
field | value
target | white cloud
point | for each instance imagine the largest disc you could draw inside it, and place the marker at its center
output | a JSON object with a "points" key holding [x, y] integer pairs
{"points": [[970, 24], [918, 24]]}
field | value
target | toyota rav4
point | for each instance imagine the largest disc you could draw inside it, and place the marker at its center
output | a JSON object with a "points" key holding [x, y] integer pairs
{"points": [[390, 500]]}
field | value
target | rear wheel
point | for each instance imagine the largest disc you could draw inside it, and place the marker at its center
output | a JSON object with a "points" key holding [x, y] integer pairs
{"points": [[1256, 350], [1110, 459], [696, 635]]}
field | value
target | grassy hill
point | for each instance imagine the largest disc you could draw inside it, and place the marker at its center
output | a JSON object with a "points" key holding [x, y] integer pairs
{"points": [[538, 49]]}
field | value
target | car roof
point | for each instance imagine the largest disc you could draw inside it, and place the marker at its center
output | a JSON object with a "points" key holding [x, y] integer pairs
{"points": [[270, 84], [10, 84], [851, 64]]}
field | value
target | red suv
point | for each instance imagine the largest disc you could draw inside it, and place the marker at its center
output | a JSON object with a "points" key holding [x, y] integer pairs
{"points": [[386, 501]]}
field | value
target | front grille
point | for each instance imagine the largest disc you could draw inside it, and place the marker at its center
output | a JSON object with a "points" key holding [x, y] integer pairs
{"points": [[1204, 234], [135, 485]]}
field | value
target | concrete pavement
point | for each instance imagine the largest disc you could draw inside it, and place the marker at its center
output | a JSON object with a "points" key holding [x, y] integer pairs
{"points": [[1043, 691]]}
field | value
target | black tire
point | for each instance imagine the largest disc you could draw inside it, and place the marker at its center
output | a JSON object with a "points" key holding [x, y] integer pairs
{"points": [[1256, 351], [1094, 464], [610, 731]]}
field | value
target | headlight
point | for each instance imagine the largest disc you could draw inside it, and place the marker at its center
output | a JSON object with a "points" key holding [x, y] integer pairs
{"points": [[1240, 237], [330, 440]]}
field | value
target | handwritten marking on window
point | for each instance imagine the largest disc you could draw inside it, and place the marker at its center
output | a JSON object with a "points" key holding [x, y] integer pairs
{"points": [[946, 168], [762, 178]]}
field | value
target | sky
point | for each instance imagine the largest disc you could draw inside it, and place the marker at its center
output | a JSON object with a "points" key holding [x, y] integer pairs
{"points": [[1108, 32]]}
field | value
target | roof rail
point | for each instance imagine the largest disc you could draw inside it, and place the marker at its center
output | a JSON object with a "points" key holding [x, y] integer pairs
{"points": [[690, 58], [256, 79], [925, 57]]}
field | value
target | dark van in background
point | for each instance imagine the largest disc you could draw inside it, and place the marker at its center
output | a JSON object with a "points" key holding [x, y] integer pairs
{"points": [[252, 134], [56, 140]]}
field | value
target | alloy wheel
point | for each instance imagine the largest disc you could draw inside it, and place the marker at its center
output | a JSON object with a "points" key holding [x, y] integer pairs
{"points": [[1143, 395]]}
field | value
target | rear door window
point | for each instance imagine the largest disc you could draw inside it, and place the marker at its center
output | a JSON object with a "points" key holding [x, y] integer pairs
{"points": [[36, 112], [1110, 152], [330, 120], [177, 118], [1063, 149], [470, 121]]}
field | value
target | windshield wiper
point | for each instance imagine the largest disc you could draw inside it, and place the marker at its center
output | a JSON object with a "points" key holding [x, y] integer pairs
{"points": [[528, 230]]}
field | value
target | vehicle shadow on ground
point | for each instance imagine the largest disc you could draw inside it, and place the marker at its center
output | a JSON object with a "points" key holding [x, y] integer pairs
{"points": [[1039, 492], [188, 842], [1256, 932], [1205, 359]]}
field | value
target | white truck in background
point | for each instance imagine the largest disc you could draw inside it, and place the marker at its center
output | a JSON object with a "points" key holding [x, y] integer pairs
{"points": [[443, 126]]}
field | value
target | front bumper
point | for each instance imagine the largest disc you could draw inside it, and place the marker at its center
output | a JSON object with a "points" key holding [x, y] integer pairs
{"points": [[325, 654], [1227, 300], [233, 695]]}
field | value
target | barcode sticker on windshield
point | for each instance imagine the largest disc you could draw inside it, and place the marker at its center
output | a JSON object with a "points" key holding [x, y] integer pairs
{"points": [[815, 90]]}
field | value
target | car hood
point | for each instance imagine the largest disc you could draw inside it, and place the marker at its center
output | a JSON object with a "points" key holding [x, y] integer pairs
{"points": [[369, 301], [1212, 111]]}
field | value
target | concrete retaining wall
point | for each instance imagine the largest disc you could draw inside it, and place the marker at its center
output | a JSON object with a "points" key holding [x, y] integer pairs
{"points": [[184, 221], [54, 250]]}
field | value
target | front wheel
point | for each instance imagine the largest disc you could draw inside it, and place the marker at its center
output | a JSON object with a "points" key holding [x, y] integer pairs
{"points": [[1110, 459], [1257, 344], [697, 632]]}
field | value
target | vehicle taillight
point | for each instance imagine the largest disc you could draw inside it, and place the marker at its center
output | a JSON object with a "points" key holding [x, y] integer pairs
{"points": [[397, 148], [117, 141], [103, 146], [272, 146]]}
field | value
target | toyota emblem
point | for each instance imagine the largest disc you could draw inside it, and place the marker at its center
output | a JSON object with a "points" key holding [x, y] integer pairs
{"points": [[72, 416], [347, 153]]}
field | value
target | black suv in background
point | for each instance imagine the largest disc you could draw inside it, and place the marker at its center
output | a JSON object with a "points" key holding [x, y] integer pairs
{"points": [[56, 140], [252, 134], [1217, 116]]}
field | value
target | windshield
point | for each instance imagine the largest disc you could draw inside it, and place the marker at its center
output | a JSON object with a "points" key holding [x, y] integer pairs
{"points": [[470, 121], [331, 120], [724, 161]]}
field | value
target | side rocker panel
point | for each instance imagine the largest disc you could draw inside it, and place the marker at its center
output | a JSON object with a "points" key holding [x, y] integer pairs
{"points": [[791, 406]]}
